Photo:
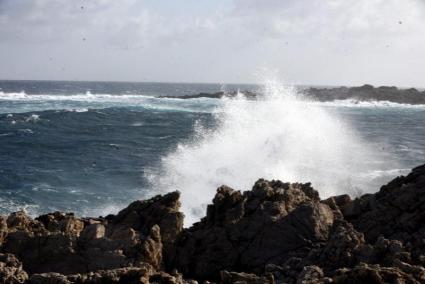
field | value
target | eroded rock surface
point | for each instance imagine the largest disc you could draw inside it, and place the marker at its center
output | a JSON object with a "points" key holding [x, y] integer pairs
{"points": [[56, 245], [275, 233], [245, 231]]}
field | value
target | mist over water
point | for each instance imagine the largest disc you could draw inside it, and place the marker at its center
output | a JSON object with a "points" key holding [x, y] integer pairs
{"points": [[280, 136]]}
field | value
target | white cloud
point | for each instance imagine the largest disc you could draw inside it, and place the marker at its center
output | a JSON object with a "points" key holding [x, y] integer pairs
{"points": [[314, 41]]}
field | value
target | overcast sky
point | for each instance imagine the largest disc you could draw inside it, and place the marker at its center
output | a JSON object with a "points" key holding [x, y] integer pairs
{"points": [[324, 42]]}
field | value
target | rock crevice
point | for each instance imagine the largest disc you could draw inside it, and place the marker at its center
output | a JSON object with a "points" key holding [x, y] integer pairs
{"points": [[274, 233]]}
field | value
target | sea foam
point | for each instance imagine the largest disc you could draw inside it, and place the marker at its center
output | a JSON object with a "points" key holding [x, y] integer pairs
{"points": [[279, 136]]}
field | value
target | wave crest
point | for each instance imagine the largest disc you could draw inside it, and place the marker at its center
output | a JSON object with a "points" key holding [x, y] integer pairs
{"points": [[279, 136]]}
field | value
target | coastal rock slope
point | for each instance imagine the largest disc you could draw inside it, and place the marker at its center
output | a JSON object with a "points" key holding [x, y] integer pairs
{"points": [[275, 233]]}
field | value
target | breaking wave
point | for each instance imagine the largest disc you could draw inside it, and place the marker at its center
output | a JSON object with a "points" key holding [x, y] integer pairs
{"points": [[280, 136], [22, 102], [349, 103]]}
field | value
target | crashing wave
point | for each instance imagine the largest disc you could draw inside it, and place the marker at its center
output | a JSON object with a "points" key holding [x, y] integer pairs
{"points": [[278, 136]]}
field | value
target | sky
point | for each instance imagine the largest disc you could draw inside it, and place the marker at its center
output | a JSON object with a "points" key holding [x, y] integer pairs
{"points": [[309, 42]]}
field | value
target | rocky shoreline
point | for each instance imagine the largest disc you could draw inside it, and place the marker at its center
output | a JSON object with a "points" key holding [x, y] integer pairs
{"points": [[362, 93], [275, 233]]}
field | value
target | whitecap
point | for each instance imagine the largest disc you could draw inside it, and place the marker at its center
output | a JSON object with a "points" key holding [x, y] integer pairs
{"points": [[33, 118], [352, 103], [80, 110], [27, 131]]}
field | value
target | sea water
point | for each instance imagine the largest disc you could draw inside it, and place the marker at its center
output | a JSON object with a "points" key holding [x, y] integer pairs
{"points": [[93, 147]]}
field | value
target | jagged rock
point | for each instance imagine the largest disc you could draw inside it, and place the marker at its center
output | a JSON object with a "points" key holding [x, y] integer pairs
{"points": [[373, 274], [44, 251], [152, 248], [172, 278], [143, 274], [386, 252], [131, 275], [344, 248], [246, 278], [418, 272], [268, 225], [312, 275], [160, 210], [65, 244], [49, 278], [217, 95], [61, 222], [11, 270], [336, 203], [21, 221], [3, 229], [92, 232], [276, 233], [396, 212]]}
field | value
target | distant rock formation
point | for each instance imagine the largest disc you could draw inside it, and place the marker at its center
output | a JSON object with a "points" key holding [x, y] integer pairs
{"points": [[275, 233], [217, 95], [368, 93], [363, 93]]}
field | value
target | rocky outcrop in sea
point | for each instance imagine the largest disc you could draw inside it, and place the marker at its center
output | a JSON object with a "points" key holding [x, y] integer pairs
{"points": [[363, 93], [274, 233]]}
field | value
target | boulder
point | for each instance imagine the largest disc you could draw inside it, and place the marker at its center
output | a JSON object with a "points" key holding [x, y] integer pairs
{"points": [[141, 215], [62, 222], [396, 212], [245, 231], [62, 243]]}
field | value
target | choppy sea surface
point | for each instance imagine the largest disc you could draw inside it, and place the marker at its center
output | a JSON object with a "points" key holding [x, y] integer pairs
{"points": [[93, 147]]}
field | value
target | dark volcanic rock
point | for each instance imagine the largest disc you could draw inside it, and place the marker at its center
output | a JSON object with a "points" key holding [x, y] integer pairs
{"points": [[217, 95], [368, 93], [245, 231], [140, 274], [275, 233], [141, 215], [396, 212], [374, 274], [362, 93], [242, 277], [66, 244]]}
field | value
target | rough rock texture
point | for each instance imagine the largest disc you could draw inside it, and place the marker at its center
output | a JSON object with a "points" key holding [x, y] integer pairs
{"points": [[270, 224], [11, 269], [61, 244], [275, 233], [397, 211]]}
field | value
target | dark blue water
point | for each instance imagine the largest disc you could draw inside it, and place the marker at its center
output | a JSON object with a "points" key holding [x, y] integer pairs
{"points": [[89, 147]]}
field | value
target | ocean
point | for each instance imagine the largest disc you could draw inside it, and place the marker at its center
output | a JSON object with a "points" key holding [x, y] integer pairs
{"points": [[94, 147]]}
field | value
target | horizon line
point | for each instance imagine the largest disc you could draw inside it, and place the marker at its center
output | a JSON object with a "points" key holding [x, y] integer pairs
{"points": [[202, 83]]}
